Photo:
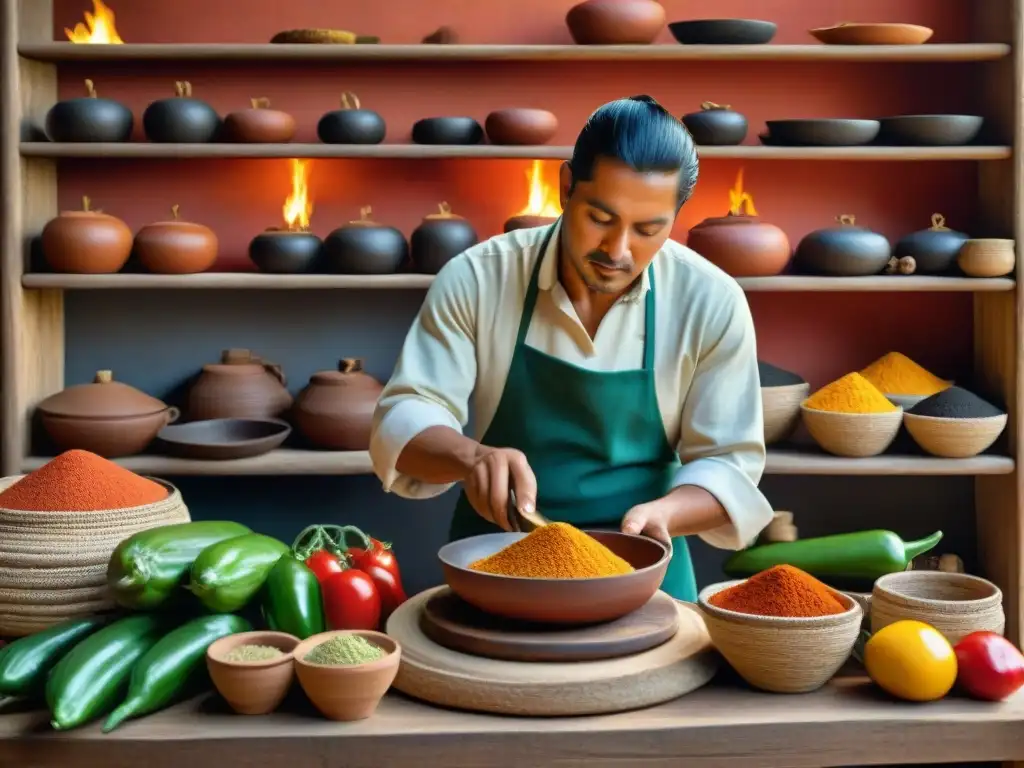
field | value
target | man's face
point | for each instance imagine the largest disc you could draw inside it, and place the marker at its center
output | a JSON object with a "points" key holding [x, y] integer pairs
{"points": [[614, 224]]}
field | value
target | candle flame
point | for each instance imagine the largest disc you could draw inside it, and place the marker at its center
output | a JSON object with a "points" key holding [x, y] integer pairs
{"points": [[298, 208], [98, 29], [542, 197], [741, 203]]}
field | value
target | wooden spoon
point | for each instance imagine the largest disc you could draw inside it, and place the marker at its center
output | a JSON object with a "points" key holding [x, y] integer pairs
{"points": [[523, 522]]}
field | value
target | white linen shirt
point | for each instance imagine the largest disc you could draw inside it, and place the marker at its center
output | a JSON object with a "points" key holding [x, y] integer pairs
{"points": [[461, 345]]}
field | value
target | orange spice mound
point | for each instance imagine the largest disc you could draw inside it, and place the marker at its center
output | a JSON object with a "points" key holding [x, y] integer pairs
{"points": [[80, 481], [781, 590], [555, 551]]}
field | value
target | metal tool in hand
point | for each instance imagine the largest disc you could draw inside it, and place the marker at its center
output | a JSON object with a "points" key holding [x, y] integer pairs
{"points": [[523, 522]]}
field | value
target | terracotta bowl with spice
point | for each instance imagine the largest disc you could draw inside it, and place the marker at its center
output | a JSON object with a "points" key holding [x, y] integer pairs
{"points": [[253, 671], [791, 653], [346, 673]]}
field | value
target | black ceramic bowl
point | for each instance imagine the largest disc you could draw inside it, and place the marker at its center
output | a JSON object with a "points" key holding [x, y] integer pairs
{"points": [[223, 439], [822, 132], [723, 31], [716, 126], [89, 119], [351, 126], [447, 130], [285, 253], [930, 130], [357, 250]]}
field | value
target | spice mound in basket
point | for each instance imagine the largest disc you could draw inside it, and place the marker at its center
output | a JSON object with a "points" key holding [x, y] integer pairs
{"points": [[851, 394], [555, 551], [896, 374], [782, 591]]}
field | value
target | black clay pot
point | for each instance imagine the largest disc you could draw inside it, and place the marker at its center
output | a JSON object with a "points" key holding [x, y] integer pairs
{"points": [[281, 252], [351, 124], [843, 251], [934, 249], [365, 247], [181, 120], [439, 238], [89, 118], [447, 130], [716, 125], [723, 31]]}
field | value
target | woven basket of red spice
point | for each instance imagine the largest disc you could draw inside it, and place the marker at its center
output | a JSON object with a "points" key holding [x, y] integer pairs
{"points": [[782, 630], [58, 528]]}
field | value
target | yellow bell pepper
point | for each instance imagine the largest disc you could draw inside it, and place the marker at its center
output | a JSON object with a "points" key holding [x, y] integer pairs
{"points": [[911, 660]]}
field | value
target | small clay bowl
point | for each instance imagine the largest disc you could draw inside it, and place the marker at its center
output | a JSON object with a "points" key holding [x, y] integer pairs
{"points": [[723, 31], [521, 126], [987, 257], [850, 33], [346, 692], [223, 439], [615, 22], [252, 687], [259, 125], [930, 130], [824, 132], [447, 130]]}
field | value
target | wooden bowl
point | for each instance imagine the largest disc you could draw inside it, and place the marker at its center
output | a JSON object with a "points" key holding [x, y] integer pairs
{"points": [[556, 601], [252, 687], [520, 126], [987, 257], [849, 33], [856, 435], [223, 439], [782, 655], [781, 406], [954, 438], [929, 130], [956, 604], [822, 132], [723, 31]]}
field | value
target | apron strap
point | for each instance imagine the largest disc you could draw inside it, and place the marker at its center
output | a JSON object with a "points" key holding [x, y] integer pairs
{"points": [[649, 323]]}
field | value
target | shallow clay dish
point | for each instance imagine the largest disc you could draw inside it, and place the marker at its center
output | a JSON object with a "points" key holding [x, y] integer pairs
{"points": [[556, 601], [930, 130], [849, 33], [220, 439], [315, 36], [347, 691], [520, 126], [822, 132], [615, 22], [723, 31], [252, 687]]}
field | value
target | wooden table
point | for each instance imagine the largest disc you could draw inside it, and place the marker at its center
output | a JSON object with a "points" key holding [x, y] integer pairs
{"points": [[847, 723]]}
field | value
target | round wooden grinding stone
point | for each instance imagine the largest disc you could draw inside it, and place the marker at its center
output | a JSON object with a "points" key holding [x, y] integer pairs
{"points": [[449, 678], [451, 622]]}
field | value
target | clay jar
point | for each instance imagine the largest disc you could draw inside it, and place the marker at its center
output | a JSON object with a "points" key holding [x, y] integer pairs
{"points": [[439, 238], [520, 126], [286, 251], [106, 417], [86, 242], [843, 251], [335, 410], [742, 246], [351, 124], [241, 386], [934, 249], [615, 22], [259, 125], [181, 120], [365, 247], [176, 247], [716, 125], [89, 118]]}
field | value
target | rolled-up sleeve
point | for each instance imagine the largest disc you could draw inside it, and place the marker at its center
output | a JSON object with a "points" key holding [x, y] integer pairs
{"points": [[433, 378], [721, 444]]}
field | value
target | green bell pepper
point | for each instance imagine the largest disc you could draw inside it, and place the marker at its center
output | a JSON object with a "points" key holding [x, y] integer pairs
{"points": [[26, 662], [227, 575], [292, 601]]}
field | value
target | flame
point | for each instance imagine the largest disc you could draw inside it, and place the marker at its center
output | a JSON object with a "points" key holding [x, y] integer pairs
{"points": [[98, 28], [740, 203], [542, 199], [298, 207]]}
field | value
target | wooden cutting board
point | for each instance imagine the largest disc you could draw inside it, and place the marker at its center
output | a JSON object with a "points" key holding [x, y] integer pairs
{"points": [[449, 678], [451, 622]]}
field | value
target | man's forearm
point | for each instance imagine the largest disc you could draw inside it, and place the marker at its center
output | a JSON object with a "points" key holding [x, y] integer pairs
{"points": [[439, 455], [693, 510]]}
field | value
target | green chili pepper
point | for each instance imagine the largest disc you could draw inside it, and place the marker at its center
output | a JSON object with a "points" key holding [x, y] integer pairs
{"points": [[227, 575], [174, 668], [292, 601], [859, 555], [25, 663]]}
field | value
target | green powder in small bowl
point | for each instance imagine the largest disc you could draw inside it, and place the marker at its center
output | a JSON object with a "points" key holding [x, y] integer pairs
{"points": [[253, 653], [345, 649]]}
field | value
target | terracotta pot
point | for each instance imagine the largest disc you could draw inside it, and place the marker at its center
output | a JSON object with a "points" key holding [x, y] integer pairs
{"points": [[716, 125], [934, 249], [176, 247], [86, 242], [335, 410], [520, 126], [252, 687], [106, 417], [259, 125], [743, 246], [351, 124], [286, 251], [528, 222], [181, 120], [615, 22], [843, 251], [240, 386], [439, 238], [365, 247], [89, 118]]}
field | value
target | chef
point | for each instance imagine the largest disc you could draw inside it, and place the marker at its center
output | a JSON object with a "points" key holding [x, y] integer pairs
{"points": [[612, 372]]}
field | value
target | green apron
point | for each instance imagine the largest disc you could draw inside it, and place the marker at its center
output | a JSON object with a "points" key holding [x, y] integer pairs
{"points": [[595, 439]]}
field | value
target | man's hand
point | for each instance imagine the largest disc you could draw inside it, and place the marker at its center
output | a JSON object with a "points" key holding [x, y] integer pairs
{"points": [[683, 511], [488, 483]]}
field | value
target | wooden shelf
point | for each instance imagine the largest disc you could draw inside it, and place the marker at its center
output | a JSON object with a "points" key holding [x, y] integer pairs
{"points": [[146, 151], [260, 281], [781, 462], [256, 53]]}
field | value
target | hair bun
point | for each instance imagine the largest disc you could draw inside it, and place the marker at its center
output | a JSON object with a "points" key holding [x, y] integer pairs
{"points": [[644, 98]]}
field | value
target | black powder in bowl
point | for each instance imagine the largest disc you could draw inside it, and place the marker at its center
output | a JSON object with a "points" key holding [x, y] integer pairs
{"points": [[773, 376], [955, 403]]}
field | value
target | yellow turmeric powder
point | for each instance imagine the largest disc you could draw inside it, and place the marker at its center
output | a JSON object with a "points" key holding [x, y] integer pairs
{"points": [[850, 394], [896, 374], [555, 551]]}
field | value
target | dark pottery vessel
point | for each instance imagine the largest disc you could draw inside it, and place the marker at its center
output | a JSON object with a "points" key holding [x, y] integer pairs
{"points": [[176, 247], [447, 130], [741, 245], [223, 439], [520, 126], [286, 251], [723, 31], [88, 119], [716, 125], [335, 410], [825, 132], [181, 120], [930, 130], [615, 22], [934, 249], [439, 238], [528, 221], [86, 242], [351, 124], [843, 251], [259, 125], [365, 247]]}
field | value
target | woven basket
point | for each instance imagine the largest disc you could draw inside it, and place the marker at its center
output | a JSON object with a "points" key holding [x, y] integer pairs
{"points": [[856, 435], [954, 438], [781, 406], [53, 565], [782, 655], [956, 604]]}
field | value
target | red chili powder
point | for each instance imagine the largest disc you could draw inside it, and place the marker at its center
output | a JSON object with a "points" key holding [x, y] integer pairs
{"points": [[80, 481], [778, 591]]}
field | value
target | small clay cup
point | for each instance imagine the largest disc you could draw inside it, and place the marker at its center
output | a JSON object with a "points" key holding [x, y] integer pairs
{"points": [[347, 691], [252, 687]]}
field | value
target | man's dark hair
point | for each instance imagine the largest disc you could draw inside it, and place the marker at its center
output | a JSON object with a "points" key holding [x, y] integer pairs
{"points": [[641, 134]]}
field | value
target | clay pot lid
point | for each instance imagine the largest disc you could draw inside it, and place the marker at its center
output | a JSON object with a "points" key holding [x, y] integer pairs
{"points": [[730, 219], [444, 213], [349, 102], [86, 212], [364, 219], [175, 221], [349, 368], [242, 362], [102, 399], [260, 104]]}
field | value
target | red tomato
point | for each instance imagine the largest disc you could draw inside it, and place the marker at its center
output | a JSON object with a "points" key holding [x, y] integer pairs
{"points": [[989, 666], [378, 555], [390, 590], [324, 565], [351, 601]]}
